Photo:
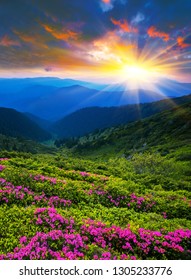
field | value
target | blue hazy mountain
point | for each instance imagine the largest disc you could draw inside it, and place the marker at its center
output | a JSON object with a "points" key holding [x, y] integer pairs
{"points": [[16, 84], [54, 98]]}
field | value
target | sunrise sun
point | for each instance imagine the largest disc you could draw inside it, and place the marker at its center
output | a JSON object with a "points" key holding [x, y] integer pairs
{"points": [[136, 72]]}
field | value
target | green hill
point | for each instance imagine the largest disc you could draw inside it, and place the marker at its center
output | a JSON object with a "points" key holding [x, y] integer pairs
{"points": [[87, 120], [167, 130], [19, 144], [122, 193], [16, 124]]}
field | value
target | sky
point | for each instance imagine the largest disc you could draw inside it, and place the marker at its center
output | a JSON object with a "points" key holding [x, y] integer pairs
{"points": [[107, 41]]}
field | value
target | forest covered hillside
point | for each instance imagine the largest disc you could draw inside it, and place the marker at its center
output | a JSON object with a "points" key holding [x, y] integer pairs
{"points": [[164, 131], [84, 121], [16, 124]]}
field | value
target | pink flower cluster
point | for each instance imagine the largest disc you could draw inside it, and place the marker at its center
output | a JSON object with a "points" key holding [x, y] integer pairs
{"points": [[55, 201], [2, 167], [52, 245], [164, 215], [135, 199], [144, 243], [43, 178], [87, 174], [9, 193], [84, 174], [61, 243], [3, 159], [163, 243], [50, 217], [65, 240], [142, 203], [112, 238]]}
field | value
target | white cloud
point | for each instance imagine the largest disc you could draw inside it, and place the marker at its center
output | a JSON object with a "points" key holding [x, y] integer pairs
{"points": [[138, 18], [109, 6], [106, 7]]}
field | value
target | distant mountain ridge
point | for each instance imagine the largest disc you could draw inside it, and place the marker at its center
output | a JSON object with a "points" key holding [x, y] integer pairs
{"points": [[54, 98]]}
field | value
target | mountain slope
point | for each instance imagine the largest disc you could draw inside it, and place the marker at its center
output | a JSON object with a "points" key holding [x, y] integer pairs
{"points": [[89, 119], [167, 130], [17, 144], [44, 124], [16, 124]]}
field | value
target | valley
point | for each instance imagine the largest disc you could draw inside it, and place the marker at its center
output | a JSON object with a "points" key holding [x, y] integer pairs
{"points": [[121, 193]]}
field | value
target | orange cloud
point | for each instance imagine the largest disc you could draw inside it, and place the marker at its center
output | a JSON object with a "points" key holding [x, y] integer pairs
{"points": [[111, 51], [123, 24], [106, 1], [36, 40], [25, 38], [152, 32], [64, 36], [7, 42], [181, 43]]}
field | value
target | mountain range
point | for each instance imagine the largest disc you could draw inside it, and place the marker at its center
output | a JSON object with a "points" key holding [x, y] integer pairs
{"points": [[54, 98], [81, 122]]}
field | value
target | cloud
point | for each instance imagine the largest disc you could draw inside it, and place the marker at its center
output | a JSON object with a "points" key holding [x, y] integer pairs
{"points": [[34, 40], [25, 37], [110, 49], [153, 33], [181, 43], [106, 1], [124, 25], [138, 18], [106, 5], [63, 36], [5, 41], [44, 29]]}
